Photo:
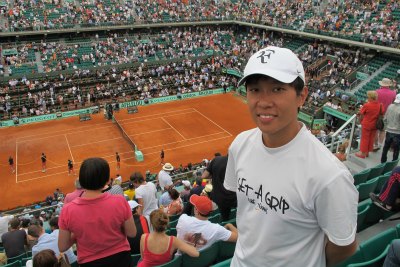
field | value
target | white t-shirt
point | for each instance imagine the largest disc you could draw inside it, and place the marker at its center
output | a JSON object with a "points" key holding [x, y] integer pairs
{"points": [[290, 199], [4, 220], [164, 179], [199, 233], [147, 192]]}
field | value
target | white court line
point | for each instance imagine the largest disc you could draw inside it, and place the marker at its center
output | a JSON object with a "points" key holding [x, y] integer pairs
{"points": [[213, 122], [73, 130], [157, 114], [44, 176], [183, 141], [69, 148], [173, 128], [156, 152], [155, 118], [90, 143], [16, 162], [109, 126], [63, 131], [160, 130], [41, 170]]}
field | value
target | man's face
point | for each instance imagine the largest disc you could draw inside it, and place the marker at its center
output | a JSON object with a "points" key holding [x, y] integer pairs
{"points": [[273, 107]]}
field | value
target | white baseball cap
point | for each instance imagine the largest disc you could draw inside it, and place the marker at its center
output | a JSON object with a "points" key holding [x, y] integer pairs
{"points": [[276, 62], [397, 99], [133, 204]]}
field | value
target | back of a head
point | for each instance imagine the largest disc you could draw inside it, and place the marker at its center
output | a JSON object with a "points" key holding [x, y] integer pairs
{"points": [[53, 222], [34, 230], [173, 193], [15, 223], [94, 173], [45, 258], [137, 178], [159, 220]]}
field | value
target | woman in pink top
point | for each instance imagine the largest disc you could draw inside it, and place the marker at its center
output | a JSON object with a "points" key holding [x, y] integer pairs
{"points": [[158, 248], [97, 222]]}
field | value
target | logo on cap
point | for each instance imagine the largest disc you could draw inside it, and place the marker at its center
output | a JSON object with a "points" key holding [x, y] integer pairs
{"points": [[263, 55]]}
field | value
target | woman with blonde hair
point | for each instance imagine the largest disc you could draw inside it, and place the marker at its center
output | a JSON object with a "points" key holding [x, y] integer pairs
{"points": [[157, 247], [369, 114]]}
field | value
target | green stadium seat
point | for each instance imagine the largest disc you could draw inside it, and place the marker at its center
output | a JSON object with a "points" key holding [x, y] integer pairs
{"points": [[361, 215], [172, 224], [176, 262], [357, 257], [135, 259], [17, 258], [374, 250], [389, 166], [376, 171], [361, 177], [215, 219], [365, 188], [13, 264], [207, 257], [226, 250], [225, 263], [171, 231]]}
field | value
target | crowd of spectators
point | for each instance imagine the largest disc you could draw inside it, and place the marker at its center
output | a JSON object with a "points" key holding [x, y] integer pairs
{"points": [[369, 21], [194, 71]]}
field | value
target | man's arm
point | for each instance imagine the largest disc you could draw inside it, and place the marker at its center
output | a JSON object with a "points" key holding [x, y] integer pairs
{"points": [[140, 208], [335, 254], [234, 232], [206, 175]]}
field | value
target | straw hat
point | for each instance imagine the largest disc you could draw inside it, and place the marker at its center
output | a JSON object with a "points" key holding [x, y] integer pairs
{"points": [[168, 167], [386, 82]]}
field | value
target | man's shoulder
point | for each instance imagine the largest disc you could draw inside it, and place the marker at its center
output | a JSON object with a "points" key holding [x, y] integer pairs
{"points": [[246, 136]]}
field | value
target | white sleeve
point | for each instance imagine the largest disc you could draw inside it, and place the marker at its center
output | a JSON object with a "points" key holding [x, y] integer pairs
{"points": [[138, 193], [336, 210], [230, 182], [223, 233]]}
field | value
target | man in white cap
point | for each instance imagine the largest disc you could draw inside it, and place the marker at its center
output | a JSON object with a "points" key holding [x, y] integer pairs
{"points": [[386, 97], [392, 122], [297, 204]]}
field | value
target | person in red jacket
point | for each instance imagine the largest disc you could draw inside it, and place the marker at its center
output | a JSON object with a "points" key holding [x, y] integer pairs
{"points": [[369, 114]]}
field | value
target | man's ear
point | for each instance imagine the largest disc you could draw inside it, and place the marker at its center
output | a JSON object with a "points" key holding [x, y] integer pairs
{"points": [[303, 96]]}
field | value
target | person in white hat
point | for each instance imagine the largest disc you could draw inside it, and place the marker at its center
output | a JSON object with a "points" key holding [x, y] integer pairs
{"points": [[386, 97], [392, 122], [295, 198], [164, 177]]}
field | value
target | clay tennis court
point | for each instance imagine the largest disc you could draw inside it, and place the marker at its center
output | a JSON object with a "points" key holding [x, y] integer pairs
{"points": [[188, 131]]}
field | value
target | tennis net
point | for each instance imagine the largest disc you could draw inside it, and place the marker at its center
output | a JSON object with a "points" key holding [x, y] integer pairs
{"points": [[125, 135]]}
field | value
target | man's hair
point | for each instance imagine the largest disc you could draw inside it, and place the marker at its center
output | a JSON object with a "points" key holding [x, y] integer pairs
{"points": [[53, 222], [94, 173], [15, 223], [45, 258], [35, 230], [25, 222], [159, 220], [297, 84], [173, 193], [137, 177]]}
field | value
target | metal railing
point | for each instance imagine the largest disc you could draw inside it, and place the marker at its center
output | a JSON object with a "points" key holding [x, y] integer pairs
{"points": [[336, 141]]}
